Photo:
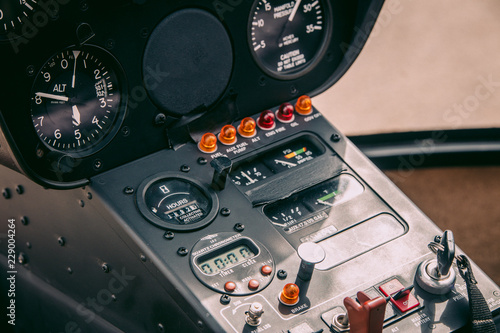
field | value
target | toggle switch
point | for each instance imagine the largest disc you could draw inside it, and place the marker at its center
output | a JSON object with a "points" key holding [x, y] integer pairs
{"points": [[254, 314], [367, 316], [222, 166], [311, 254], [435, 275], [401, 297]]}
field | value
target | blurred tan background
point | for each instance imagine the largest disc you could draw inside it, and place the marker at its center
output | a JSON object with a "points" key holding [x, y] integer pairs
{"points": [[432, 65], [424, 67]]}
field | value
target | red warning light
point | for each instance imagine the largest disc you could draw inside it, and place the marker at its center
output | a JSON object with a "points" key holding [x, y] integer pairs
{"points": [[285, 113], [266, 120]]}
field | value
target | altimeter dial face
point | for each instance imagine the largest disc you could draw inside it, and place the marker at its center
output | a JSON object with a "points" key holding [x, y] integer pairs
{"points": [[77, 100]]}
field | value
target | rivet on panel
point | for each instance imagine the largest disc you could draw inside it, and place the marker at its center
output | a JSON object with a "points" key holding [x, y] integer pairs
{"points": [[225, 211], [22, 258], [239, 227], [6, 193], [128, 190], [105, 268], [25, 220], [182, 251], [20, 189], [168, 235]]}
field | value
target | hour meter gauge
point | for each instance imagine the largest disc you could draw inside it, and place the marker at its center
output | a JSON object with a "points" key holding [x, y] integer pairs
{"points": [[175, 202], [287, 37]]}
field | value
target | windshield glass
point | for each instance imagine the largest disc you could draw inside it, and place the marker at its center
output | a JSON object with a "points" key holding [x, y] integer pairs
{"points": [[426, 66]]}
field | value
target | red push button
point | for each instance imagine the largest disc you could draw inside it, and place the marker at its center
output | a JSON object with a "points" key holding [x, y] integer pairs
{"points": [[230, 286], [253, 284], [266, 270], [406, 302]]}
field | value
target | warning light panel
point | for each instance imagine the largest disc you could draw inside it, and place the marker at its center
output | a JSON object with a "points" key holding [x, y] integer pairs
{"points": [[304, 105], [266, 120], [285, 113], [290, 294], [227, 135], [208, 143], [247, 128]]}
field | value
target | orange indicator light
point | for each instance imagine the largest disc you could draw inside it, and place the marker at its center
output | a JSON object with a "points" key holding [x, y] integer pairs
{"points": [[290, 294], [304, 105], [247, 127], [208, 143], [266, 120], [285, 113], [227, 135]]}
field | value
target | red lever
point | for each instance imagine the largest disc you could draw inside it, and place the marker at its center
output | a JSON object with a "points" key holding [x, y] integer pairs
{"points": [[367, 316]]}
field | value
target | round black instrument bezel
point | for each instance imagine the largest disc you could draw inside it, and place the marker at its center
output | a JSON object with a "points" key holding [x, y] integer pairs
{"points": [[205, 190], [122, 89], [311, 64]]}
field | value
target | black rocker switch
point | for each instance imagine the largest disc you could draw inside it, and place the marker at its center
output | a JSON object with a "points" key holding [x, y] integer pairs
{"points": [[222, 166]]}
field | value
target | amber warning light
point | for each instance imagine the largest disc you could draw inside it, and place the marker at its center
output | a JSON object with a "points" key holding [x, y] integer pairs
{"points": [[290, 294], [208, 143], [247, 127], [304, 105], [227, 135]]}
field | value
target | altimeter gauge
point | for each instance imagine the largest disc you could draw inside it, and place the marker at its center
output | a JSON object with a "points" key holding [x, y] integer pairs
{"points": [[78, 100]]}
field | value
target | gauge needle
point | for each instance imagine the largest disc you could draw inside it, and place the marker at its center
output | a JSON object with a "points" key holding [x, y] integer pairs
{"points": [[52, 96], [76, 116], [294, 11], [248, 177], [75, 54], [326, 203], [285, 163]]}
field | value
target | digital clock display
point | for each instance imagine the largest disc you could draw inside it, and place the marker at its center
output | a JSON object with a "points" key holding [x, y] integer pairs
{"points": [[213, 264]]}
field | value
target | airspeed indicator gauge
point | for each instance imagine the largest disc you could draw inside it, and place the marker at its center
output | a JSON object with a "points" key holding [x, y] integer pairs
{"points": [[287, 37], [78, 100]]}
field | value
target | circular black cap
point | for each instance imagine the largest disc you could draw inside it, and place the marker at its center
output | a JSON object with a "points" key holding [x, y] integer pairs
{"points": [[187, 62]]}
